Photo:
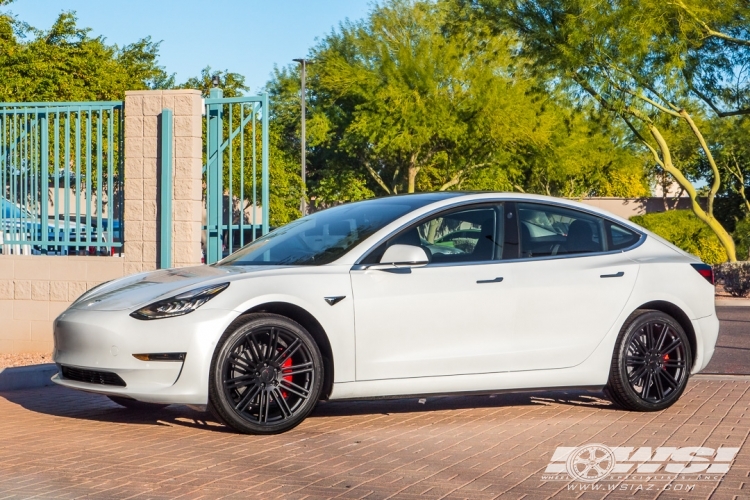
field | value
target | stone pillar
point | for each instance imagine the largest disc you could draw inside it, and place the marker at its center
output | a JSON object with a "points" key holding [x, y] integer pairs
{"points": [[142, 163]]}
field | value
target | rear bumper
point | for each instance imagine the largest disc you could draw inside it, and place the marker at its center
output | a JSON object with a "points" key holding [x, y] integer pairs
{"points": [[706, 333], [103, 342]]}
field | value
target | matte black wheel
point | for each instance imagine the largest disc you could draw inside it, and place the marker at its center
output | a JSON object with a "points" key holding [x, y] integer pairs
{"points": [[266, 375], [651, 362], [132, 404]]}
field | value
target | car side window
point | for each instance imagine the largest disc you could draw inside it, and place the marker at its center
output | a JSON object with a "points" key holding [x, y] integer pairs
{"points": [[620, 237], [548, 230], [473, 234]]}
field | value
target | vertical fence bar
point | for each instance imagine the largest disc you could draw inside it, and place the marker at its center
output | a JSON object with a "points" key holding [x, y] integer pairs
{"points": [[56, 180], [66, 184], [78, 180], [214, 190], [230, 200], [110, 175], [121, 170], [165, 245], [264, 163], [242, 175], [99, 158], [255, 172], [44, 167], [88, 178]]}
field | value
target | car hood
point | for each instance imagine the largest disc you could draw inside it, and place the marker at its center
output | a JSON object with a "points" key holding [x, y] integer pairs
{"points": [[141, 289]]}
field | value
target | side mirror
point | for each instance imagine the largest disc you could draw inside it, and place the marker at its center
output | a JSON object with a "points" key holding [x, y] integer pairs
{"points": [[405, 255]]}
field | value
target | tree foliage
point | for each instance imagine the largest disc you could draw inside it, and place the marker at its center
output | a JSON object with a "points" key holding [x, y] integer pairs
{"points": [[64, 63], [403, 101], [684, 229], [651, 63]]}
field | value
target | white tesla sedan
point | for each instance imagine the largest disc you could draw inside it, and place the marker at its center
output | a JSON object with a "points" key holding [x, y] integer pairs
{"points": [[407, 295]]}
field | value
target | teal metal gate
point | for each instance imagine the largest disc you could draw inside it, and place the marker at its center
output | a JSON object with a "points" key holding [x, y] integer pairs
{"points": [[61, 177], [231, 172]]}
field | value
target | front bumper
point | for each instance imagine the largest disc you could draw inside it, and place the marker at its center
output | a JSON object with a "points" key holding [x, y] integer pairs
{"points": [[105, 341]]}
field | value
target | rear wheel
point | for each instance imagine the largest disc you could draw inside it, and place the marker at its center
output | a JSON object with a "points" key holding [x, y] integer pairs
{"points": [[651, 362], [266, 375]]}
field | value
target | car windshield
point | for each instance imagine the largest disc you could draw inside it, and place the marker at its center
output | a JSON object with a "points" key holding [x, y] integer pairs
{"points": [[324, 236]]}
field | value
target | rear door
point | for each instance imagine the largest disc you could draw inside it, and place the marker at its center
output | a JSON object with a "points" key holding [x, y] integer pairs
{"points": [[569, 285]]}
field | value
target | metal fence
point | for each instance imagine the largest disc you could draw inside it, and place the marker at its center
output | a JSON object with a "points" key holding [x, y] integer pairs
{"points": [[62, 178], [237, 191]]}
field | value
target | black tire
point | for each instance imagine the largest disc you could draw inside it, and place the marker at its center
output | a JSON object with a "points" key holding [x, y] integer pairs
{"points": [[651, 362], [132, 404], [266, 375]]}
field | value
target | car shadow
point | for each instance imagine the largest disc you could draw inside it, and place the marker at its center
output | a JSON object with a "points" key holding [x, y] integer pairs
{"points": [[595, 400], [63, 402]]}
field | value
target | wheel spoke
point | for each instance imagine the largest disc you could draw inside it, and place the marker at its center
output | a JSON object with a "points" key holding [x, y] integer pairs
{"points": [[647, 384], [659, 387], [639, 345], [288, 352], [273, 342], [294, 388], [247, 397], [240, 363], [288, 371], [668, 379], [255, 349], [635, 360], [662, 337], [671, 347], [279, 398], [674, 363], [636, 375], [242, 381]]}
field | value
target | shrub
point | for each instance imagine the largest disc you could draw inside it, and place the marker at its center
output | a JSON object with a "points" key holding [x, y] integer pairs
{"points": [[741, 237], [735, 276], [683, 229]]}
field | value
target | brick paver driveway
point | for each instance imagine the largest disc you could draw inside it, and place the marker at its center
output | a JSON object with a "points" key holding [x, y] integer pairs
{"points": [[57, 443]]}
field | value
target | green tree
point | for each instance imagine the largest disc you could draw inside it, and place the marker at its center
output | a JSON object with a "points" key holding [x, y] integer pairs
{"points": [[683, 229], [403, 101], [285, 184], [65, 63], [644, 61]]}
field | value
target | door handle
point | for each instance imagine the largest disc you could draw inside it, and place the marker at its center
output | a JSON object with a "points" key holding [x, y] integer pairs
{"points": [[496, 280], [616, 275]]}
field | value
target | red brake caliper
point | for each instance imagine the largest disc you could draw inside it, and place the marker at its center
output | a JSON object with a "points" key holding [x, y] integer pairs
{"points": [[284, 366]]}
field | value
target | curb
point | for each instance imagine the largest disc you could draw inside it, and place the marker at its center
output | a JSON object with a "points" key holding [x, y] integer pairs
{"points": [[26, 377], [732, 302]]}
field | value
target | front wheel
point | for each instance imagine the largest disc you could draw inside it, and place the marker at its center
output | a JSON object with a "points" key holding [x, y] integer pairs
{"points": [[266, 375], [651, 362]]}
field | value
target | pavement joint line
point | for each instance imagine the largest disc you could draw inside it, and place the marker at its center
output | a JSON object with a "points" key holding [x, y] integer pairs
{"points": [[492, 469], [720, 376], [710, 432]]}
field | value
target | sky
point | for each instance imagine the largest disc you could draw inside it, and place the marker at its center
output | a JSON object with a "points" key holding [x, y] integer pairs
{"points": [[244, 36]]}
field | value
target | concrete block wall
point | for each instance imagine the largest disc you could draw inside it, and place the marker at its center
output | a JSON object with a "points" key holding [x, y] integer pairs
{"points": [[35, 289], [142, 173]]}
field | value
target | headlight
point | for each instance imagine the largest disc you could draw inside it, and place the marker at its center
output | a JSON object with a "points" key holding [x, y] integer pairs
{"points": [[179, 304]]}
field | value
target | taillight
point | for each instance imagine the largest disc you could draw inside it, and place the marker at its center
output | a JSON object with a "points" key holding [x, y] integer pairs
{"points": [[706, 271]]}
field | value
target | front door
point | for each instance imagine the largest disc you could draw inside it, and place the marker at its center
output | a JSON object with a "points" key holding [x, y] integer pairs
{"points": [[445, 318]]}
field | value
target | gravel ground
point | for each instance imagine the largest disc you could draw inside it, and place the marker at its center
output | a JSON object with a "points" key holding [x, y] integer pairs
{"points": [[33, 358]]}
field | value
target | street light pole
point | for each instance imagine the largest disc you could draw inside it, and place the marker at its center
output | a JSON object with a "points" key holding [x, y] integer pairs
{"points": [[303, 105]]}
